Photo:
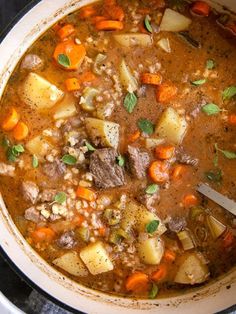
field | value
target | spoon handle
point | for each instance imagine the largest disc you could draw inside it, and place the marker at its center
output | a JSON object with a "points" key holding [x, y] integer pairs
{"points": [[218, 198]]}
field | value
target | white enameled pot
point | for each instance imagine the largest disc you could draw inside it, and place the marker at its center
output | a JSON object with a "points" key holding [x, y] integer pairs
{"points": [[212, 298]]}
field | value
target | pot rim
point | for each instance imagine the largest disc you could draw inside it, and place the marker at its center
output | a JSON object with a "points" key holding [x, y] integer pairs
{"points": [[84, 294]]}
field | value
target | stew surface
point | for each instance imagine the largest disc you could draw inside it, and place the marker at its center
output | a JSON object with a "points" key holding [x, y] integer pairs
{"points": [[108, 124]]}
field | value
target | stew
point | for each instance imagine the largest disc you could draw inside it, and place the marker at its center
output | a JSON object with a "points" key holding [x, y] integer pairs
{"points": [[108, 124]]}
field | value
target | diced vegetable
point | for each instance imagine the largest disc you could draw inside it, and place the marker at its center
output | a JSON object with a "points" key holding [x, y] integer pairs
{"points": [[129, 216], [39, 147], [232, 119], [159, 171], [201, 8], [171, 126], [153, 142], [117, 235], [151, 251], [173, 21], [69, 55], [127, 79], [105, 132], [144, 217], [186, 240], [66, 31], [66, 108], [191, 270], [165, 92], [215, 226], [96, 258], [105, 110], [71, 263], [134, 136], [164, 44], [160, 273], [100, 58], [72, 84], [190, 200], [82, 233], [109, 25], [86, 194], [43, 235], [39, 93], [137, 282], [111, 217], [150, 78], [164, 151], [20, 131], [133, 39], [11, 120], [86, 101]]}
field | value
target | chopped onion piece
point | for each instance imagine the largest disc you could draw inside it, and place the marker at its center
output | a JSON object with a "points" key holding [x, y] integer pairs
{"points": [[186, 240], [164, 43], [215, 226], [173, 21]]}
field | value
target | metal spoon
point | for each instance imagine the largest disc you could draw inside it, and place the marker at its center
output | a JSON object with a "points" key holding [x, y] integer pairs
{"points": [[218, 198]]}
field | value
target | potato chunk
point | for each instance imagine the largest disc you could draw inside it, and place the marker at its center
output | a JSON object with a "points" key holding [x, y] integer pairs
{"points": [[171, 126], [192, 270], [144, 217], [38, 146], [66, 108], [133, 39], [173, 21], [71, 263], [126, 77], [103, 132], [96, 258], [151, 251], [39, 93]]}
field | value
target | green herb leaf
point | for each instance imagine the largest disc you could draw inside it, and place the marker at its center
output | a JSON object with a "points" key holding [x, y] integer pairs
{"points": [[152, 189], [35, 161], [5, 142], [14, 152], [90, 147], [228, 154], [153, 292], [60, 197], [147, 23], [198, 82], [146, 126], [130, 102], [229, 92], [214, 176], [152, 226], [211, 109], [210, 64], [120, 161], [63, 60], [69, 160]]}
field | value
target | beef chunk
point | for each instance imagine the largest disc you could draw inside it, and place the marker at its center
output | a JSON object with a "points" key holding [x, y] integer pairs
{"points": [[184, 158], [48, 195], [7, 170], [138, 162], [106, 172], [34, 215], [66, 240], [177, 224], [31, 62], [30, 191], [54, 169]]}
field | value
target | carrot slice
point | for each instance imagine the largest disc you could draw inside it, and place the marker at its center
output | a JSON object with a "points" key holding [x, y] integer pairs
{"points": [[75, 53], [109, 25], [150, 78], [20, 131], [201, 8], [86, 194], [169, 256], [134, 137], [72, 84], [137, 282], [166, 92], [159, 171], [102, 231], [160, 273], [98, 18], [78, 220], [232, 119], [164, 151], [86, 77], [178, 172], [87, 12], [43, 234], [66, 31], [190, 200], [11, 120]]}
